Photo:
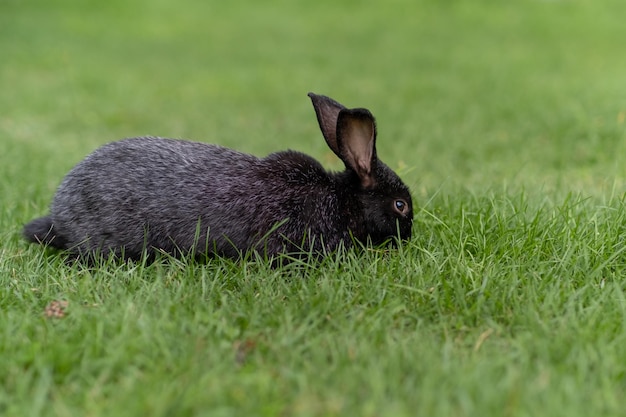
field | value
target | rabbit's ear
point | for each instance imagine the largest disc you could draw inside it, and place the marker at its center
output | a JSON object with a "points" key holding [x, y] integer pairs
{"points": [[356, 140], [327, 111]]}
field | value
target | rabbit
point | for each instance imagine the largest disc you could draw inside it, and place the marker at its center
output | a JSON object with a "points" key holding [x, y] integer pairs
{"points": [[145, 195]]}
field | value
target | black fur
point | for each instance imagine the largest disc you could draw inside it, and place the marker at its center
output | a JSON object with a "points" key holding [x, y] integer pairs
{"points": [[148, 194]]}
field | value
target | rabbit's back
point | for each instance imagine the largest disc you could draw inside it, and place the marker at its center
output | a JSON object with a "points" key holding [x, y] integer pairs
{"points": [[175, 195]]}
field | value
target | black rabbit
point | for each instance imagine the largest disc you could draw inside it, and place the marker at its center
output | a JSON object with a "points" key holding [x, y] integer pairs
{"points": [[148, 195]]}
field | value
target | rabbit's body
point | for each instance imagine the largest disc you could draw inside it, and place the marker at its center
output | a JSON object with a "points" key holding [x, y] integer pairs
{"points": [[179, 197]]}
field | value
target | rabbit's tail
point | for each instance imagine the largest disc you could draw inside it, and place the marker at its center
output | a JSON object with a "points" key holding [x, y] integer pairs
{"points": [[42, 231]]}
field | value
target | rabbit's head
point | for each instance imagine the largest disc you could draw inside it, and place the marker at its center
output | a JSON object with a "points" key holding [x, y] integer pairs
{"points": [[381, 204]]}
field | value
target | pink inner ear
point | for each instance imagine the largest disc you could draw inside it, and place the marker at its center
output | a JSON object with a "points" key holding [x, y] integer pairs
{"points": [[362, 140], [359, 148]]}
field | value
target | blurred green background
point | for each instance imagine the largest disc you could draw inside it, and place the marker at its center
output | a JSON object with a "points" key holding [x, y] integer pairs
{"points": [[470, 94]]}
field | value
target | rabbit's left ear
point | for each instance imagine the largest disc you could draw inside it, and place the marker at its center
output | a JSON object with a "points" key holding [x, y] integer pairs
{"points": [[356, 140], [327, 111]]}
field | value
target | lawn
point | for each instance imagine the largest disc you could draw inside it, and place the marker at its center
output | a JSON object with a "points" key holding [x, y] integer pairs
{"points": [[506, 119]]}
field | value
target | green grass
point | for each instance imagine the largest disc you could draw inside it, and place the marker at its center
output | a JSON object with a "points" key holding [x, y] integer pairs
{"points": [[506, 119]]}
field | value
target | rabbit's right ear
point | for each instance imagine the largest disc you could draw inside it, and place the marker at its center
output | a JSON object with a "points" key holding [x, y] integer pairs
{"points": [[356, 138], [327, 111]]}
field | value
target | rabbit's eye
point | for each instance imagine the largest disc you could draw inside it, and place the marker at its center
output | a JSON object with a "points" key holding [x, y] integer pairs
{"points": [[401, 206]]}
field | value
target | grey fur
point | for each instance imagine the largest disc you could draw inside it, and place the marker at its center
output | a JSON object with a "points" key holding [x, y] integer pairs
{"points": [[148, 194]]}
